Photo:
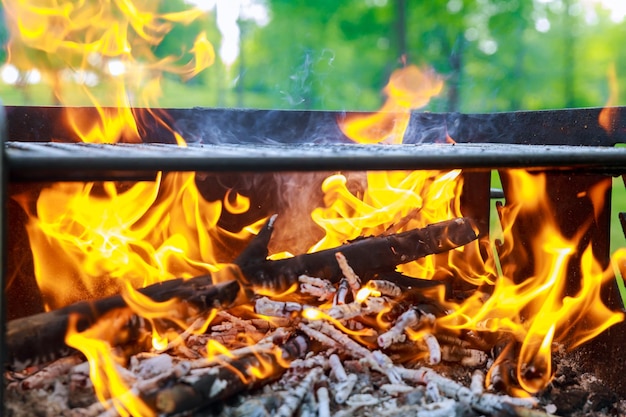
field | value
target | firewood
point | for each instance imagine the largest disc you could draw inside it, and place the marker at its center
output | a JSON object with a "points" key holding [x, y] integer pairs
{"points": [[220, 382], [337, 368], [344, 389], [342, 292], [396, 333], [367, 256], [434, 349], [323, 400], [294, 397], [485, 402], [47, 375], [353, 279], [384, 287], [322, 289], [264, 344], [41, 338], [477, 386], [467, 357]]}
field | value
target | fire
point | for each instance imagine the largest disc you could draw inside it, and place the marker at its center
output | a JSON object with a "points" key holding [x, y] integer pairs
{"points": [[387, 201], [108, 235], [112, 389], [537, 312], [84, 40], [409, 88], [91, 240]]}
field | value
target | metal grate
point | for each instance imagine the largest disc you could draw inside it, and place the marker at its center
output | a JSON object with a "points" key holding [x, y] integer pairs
{"points": [[63, 161]]}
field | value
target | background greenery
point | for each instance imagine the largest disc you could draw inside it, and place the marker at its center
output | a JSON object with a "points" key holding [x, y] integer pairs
{"points": [[496, 55]]}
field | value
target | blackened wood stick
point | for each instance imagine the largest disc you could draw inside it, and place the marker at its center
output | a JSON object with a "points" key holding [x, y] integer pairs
{"points": [[367, 256], [41, 337]]}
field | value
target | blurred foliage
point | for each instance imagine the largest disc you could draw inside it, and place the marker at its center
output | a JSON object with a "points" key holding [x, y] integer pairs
{"points": [[496, 55]]}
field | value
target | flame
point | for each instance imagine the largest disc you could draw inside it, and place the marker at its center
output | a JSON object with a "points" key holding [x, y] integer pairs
{"points": [[94, 239], [81, 40], [311, 313], [536, 311], [387, 201], [409, 88], [364, 293], [110, 387], [107, 235], [609, 113]]}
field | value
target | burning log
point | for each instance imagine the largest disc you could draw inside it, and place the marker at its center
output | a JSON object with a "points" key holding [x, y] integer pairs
{"points": [[41, 338], [217, 383], [337, 379], [366, 256]]}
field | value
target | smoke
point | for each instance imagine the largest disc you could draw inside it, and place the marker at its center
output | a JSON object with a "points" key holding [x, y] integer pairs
{"points": [[246, 126]]}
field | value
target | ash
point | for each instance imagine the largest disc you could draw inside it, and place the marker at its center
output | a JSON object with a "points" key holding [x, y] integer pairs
{"points": [[571, 393], [319, 354], [333, 382]]}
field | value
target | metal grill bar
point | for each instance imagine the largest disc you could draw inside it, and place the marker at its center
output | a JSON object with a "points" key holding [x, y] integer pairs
{"points": [[45, 161]]}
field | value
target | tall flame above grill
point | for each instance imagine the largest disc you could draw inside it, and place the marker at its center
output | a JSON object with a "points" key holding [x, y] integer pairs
{"points": [[75, 45]]}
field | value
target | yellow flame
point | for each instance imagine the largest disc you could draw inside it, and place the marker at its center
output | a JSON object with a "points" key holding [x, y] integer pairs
{"points": [[103, 366], [215, 348], [312, 314], [409, 88], [91, 240], [158, 342], [364, 293], [88, 239], [387, 200], [536, 311], [61, 37], [267, 292]]}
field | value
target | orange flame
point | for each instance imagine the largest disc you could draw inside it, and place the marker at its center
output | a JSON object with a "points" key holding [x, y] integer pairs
{"points": [[107, 235], [609, 113], [535, 311], [409, 88], [104, 365]]}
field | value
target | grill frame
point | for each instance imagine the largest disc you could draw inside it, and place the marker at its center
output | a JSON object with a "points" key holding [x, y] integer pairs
{"points": [[32, 161], [566, 144]]}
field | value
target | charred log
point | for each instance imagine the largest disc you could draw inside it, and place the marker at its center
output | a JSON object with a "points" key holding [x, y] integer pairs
{"points": [[367, 256], [41, 337], [221, 382]]}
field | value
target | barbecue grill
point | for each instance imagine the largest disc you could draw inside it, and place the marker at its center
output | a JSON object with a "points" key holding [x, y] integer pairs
{"points": [[570, 146]]}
